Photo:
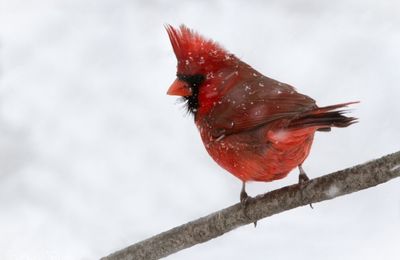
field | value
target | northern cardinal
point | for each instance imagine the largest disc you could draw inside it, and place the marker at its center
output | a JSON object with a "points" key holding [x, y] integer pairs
{"points": [[255, 127]]}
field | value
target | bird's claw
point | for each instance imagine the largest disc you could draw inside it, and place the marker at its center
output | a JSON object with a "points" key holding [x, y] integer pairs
{"points": [[303, 178], [244, 199], [244, 202]]}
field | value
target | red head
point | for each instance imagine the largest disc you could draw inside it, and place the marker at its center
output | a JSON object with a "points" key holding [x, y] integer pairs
{"points": [[196, 54], [198, 60]]}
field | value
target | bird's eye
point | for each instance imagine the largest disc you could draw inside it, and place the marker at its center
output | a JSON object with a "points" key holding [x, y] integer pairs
{"points": [[192, 80]]}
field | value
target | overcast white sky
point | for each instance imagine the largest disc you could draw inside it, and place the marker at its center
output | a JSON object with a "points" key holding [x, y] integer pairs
{"points": [[94, 156]]}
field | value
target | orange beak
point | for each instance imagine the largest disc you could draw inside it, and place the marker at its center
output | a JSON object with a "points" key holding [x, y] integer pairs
{"points": [[179, 88]]}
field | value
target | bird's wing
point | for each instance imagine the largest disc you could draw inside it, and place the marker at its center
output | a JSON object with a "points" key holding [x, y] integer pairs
{"points": [[255, 103]]}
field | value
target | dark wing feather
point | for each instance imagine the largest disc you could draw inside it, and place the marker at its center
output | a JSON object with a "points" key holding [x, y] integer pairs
{"points": [[255, 103]]}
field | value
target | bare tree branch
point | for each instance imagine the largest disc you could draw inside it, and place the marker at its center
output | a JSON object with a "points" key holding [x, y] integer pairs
{"points": [[327, 187]]}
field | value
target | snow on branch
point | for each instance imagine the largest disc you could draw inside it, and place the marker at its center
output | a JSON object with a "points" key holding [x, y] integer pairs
{"points": [[326, 187]]}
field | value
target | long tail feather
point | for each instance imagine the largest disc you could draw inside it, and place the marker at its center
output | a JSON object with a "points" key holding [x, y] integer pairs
{"points": [[325, 117]]}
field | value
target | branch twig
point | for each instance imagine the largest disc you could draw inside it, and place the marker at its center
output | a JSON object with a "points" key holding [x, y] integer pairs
{"points": [[327, 187]]}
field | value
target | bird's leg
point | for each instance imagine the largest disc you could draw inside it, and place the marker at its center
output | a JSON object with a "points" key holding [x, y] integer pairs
{"points": [[244, 200], [302, 179], [302, 175]]}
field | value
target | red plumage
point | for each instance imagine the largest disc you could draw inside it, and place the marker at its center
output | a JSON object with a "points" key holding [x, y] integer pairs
{"points": [[255, 127]]}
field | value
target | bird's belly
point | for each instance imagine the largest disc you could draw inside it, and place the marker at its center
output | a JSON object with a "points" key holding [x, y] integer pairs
{"points": [[261, 160]]}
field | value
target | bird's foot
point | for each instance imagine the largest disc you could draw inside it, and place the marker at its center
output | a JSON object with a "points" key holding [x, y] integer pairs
{"points": [[244, 202], [303, 178], [244, 199]]}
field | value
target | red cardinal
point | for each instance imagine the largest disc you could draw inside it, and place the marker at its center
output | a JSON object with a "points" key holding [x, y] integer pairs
{"points": [[255, 127]]}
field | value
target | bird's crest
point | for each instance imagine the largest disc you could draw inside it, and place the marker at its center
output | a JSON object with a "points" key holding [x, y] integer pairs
{"points": [[196, 54]]}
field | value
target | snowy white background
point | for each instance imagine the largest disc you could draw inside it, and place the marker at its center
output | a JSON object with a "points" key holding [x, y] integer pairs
{"points": [[94, 156]]}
